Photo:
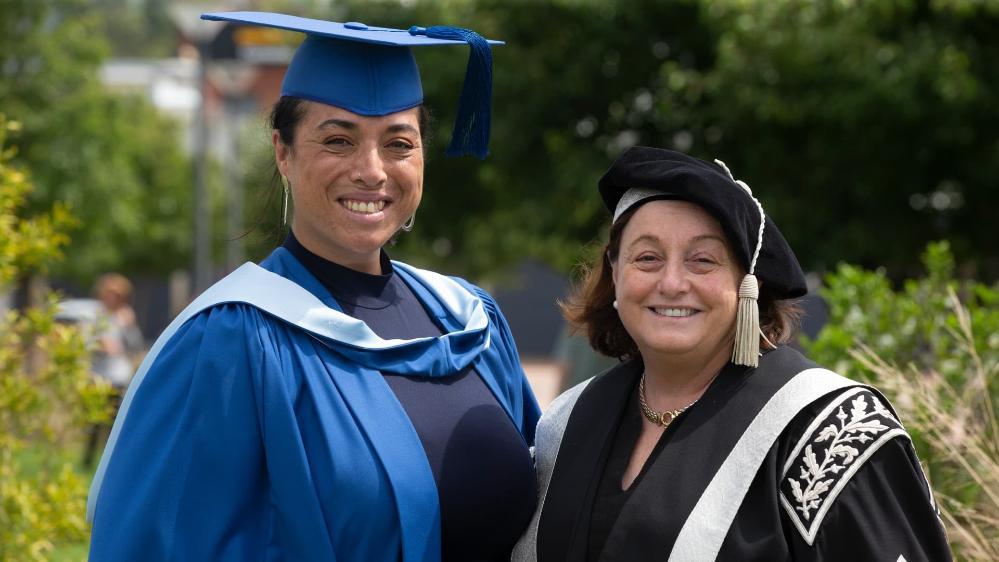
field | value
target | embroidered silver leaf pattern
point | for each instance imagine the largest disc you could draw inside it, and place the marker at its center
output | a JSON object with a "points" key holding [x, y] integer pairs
{"points": [[847, 452], [811, 462], [828, 432], [859, 426], [859, 407]]}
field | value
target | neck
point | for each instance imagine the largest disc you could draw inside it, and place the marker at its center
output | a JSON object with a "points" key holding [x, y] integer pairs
{"points": [[365, 262], [674, 382]]}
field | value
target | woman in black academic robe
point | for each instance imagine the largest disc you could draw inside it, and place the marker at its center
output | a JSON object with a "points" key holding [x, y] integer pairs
{"points": [[701, 445]]}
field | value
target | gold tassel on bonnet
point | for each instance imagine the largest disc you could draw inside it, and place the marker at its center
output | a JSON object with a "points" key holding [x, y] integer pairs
{"points": [[746, 350]]}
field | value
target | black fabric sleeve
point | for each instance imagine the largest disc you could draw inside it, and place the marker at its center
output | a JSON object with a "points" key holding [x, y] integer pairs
{"points": [[884, 512]]}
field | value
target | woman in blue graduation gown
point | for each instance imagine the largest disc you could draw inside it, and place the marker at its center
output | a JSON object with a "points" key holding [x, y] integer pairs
{"points": [[329, 403], [713, 440]]}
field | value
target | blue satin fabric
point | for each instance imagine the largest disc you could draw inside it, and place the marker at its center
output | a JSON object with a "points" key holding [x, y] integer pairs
{"points": [[251, 439]]}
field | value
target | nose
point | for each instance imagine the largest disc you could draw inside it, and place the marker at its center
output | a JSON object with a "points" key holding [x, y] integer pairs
{"points": [[674, 280], [369, 168]]}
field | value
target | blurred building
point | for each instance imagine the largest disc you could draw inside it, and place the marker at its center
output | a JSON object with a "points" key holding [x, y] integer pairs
{"points": [[243, 80]]}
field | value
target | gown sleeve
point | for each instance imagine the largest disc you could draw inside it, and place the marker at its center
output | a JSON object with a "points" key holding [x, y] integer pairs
{"points": [[187, 479], [854, 490]]}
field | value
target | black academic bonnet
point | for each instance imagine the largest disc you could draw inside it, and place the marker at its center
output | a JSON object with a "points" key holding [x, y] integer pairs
{"points": [[679, 176]]}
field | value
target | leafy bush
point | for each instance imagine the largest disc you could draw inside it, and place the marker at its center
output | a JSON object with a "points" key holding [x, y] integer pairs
{"points": [[46, 390], [915, 325], [933, 347]]}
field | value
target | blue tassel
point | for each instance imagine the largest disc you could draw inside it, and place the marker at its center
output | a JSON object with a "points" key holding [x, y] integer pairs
{"points": [[471, 126]]}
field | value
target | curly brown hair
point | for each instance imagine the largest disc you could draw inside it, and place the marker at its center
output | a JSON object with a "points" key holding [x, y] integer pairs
{"points": [[590, 309]]}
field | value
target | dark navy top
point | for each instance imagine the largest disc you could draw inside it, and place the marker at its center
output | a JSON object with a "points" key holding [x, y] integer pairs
{"points": [[481, 464]]}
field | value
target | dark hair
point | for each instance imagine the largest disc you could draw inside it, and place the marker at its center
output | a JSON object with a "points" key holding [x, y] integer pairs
{"points": [[590, 309], [285, 117]]}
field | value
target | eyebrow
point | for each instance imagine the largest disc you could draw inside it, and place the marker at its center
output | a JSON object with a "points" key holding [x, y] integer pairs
{"points": [[403, 128], [655, 239], [710, 237], [342, 123], [352, 126]]}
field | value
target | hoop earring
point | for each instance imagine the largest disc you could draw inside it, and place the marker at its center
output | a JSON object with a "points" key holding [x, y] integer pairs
{"points": [[408, 225], [284, 208]]}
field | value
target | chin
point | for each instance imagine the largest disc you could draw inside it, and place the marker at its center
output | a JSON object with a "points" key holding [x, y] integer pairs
{"points": [[367, 242], [368, 249], [671, 347]]}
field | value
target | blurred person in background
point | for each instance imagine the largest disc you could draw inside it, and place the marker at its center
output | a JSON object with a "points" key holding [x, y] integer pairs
{"points": [[118, 345], [119, 340], [329, 403], [713, 439]]}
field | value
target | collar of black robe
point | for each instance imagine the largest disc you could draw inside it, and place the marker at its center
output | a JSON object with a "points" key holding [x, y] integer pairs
{"points": [[348, 286], [657, 507]]}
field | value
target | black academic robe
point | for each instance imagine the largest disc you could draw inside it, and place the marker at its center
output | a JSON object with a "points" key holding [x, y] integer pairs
{"points": [[837, 479]]}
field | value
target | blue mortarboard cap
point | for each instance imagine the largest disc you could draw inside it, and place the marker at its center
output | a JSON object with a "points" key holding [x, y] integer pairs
{"points": [[371, 70]]}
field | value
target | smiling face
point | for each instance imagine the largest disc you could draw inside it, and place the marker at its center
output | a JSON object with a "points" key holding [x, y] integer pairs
{"points": [[676, 282], [354, 180]]}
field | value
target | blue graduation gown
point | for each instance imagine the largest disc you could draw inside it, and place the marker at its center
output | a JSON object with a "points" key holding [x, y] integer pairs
{"points": [[249, 437]]}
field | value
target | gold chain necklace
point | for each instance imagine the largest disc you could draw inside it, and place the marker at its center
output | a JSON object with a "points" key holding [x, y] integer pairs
{"points": [[659, 418]]}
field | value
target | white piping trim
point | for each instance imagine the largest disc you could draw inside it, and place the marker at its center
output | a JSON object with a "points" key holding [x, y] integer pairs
{"points": [[763, 220], [705, 529]]}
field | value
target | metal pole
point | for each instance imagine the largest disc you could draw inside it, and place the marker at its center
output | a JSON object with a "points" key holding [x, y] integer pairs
{"points": [[202, 216], [234, 246]]}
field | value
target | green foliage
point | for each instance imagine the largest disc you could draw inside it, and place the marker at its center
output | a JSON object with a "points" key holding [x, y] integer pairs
{"points": [[46, 389], [911, 326], [25, 244], [113, 161], [933, 346], [853, 121], [137, 28]]}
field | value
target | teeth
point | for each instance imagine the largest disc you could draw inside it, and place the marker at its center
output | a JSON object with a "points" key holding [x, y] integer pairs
{"points": [[674, 312], [366, 207]]}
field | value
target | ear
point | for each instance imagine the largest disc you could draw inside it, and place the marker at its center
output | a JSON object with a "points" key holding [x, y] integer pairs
{"points": [[281, 153]]}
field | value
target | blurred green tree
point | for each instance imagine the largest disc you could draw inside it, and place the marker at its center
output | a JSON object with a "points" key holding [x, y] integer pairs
{"points": [[868, 128], [111, 158], [47, 393], [137, 28]]}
